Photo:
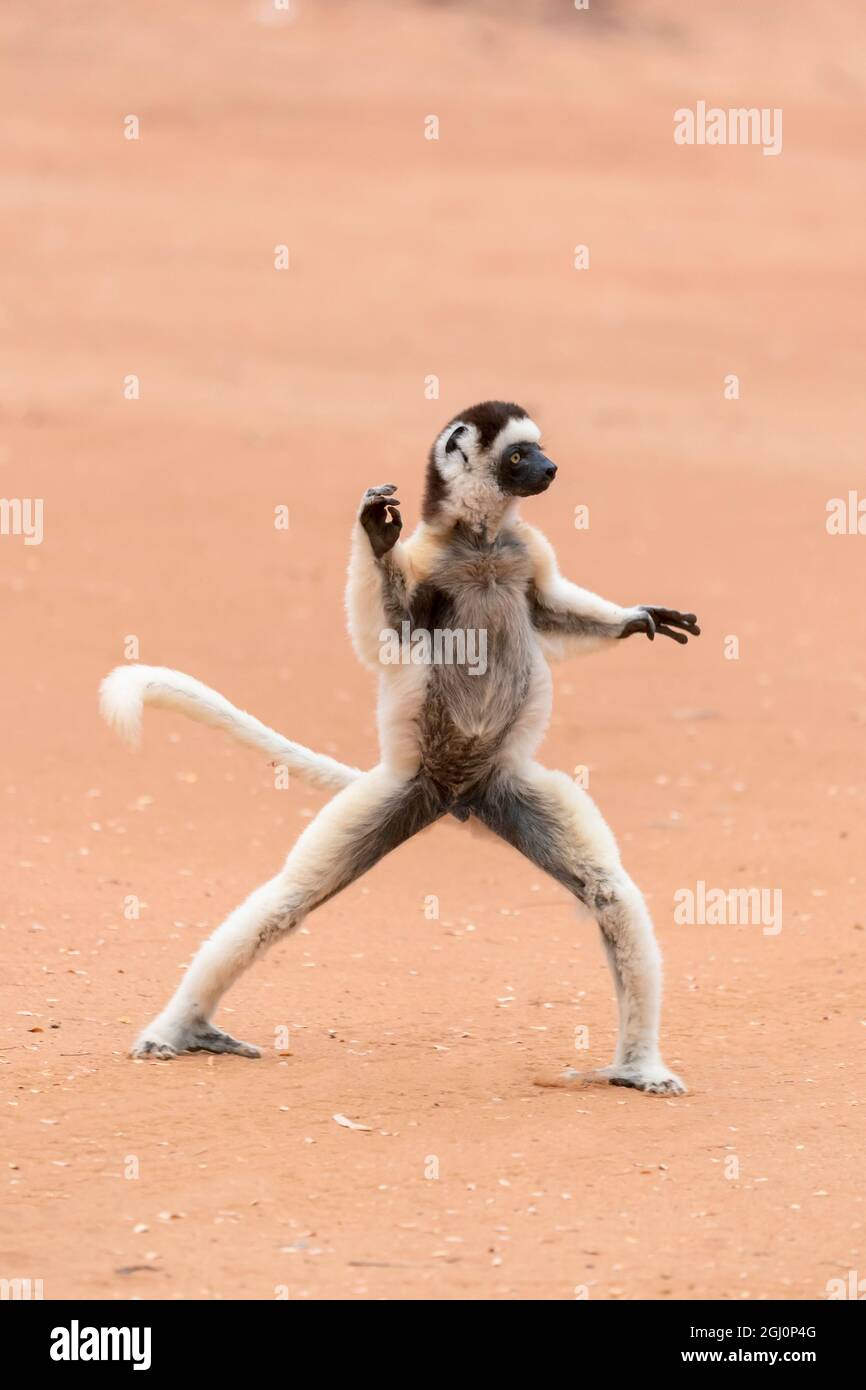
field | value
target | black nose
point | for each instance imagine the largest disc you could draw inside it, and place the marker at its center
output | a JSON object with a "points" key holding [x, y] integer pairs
{"points": [[550, 471]]}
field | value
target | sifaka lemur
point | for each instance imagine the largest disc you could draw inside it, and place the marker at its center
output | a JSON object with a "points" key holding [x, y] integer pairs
{"points": [[453, 740]]}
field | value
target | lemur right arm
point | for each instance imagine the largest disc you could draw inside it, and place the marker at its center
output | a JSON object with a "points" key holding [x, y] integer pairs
{"points": [[378, 585]]}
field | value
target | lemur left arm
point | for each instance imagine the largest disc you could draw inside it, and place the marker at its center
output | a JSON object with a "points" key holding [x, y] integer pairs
{"points": [[378, 583], [568, 617]]}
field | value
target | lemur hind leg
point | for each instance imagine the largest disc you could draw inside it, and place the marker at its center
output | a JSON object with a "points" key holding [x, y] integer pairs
{"points": [[557, 826], [352, 833]]}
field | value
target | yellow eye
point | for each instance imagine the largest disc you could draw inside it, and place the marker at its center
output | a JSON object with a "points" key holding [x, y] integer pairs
{"points": [[515, 458]]}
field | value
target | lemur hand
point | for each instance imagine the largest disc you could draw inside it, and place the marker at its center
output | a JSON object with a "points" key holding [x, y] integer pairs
{"points": [[664, 620], [380, 519]]}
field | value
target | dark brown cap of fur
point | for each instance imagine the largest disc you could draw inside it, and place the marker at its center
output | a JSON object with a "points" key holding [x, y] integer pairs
{"points": [[489, 417]]}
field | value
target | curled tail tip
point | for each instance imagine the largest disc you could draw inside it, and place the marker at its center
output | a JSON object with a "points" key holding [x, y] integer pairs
{"points": [[120, 702]]}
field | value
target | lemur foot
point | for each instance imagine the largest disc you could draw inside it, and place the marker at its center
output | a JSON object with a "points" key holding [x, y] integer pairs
{"points": [[163, 1043], [653, 1078], [380, 519]]}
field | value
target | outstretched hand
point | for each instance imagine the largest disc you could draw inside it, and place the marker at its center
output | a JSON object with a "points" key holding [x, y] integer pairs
{"points": [[664, 620]]}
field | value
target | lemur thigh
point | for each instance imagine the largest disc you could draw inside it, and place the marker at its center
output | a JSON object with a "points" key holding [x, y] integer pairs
{"points": [[356, 829], [556, 825]]}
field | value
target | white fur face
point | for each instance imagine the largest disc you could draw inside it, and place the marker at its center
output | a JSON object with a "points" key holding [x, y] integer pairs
{"points": [[470, 472]]}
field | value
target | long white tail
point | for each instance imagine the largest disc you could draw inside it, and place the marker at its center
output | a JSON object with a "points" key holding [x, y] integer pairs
{"points": [[127, 689]]}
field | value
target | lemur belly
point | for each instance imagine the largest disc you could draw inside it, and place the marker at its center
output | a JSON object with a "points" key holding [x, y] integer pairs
{"points": [[478, 591]]}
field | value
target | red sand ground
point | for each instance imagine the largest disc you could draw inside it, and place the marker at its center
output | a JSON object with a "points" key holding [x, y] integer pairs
{"points": [[261, 388]]}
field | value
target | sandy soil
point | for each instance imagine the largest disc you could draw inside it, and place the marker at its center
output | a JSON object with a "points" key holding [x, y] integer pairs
{"points": [[259, 388]]}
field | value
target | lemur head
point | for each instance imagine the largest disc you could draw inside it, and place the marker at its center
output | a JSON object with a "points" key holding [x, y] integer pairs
{"points": [[482, 461]]}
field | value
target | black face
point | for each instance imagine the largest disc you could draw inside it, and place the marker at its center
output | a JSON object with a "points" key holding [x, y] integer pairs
{"points": [[524, 471]]}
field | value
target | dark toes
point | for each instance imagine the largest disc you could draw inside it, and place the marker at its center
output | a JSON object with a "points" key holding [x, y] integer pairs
{"points": [[214, 1040]]}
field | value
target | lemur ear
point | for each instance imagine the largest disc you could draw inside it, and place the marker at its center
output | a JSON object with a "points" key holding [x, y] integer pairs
{"points": [[452, 443]]}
